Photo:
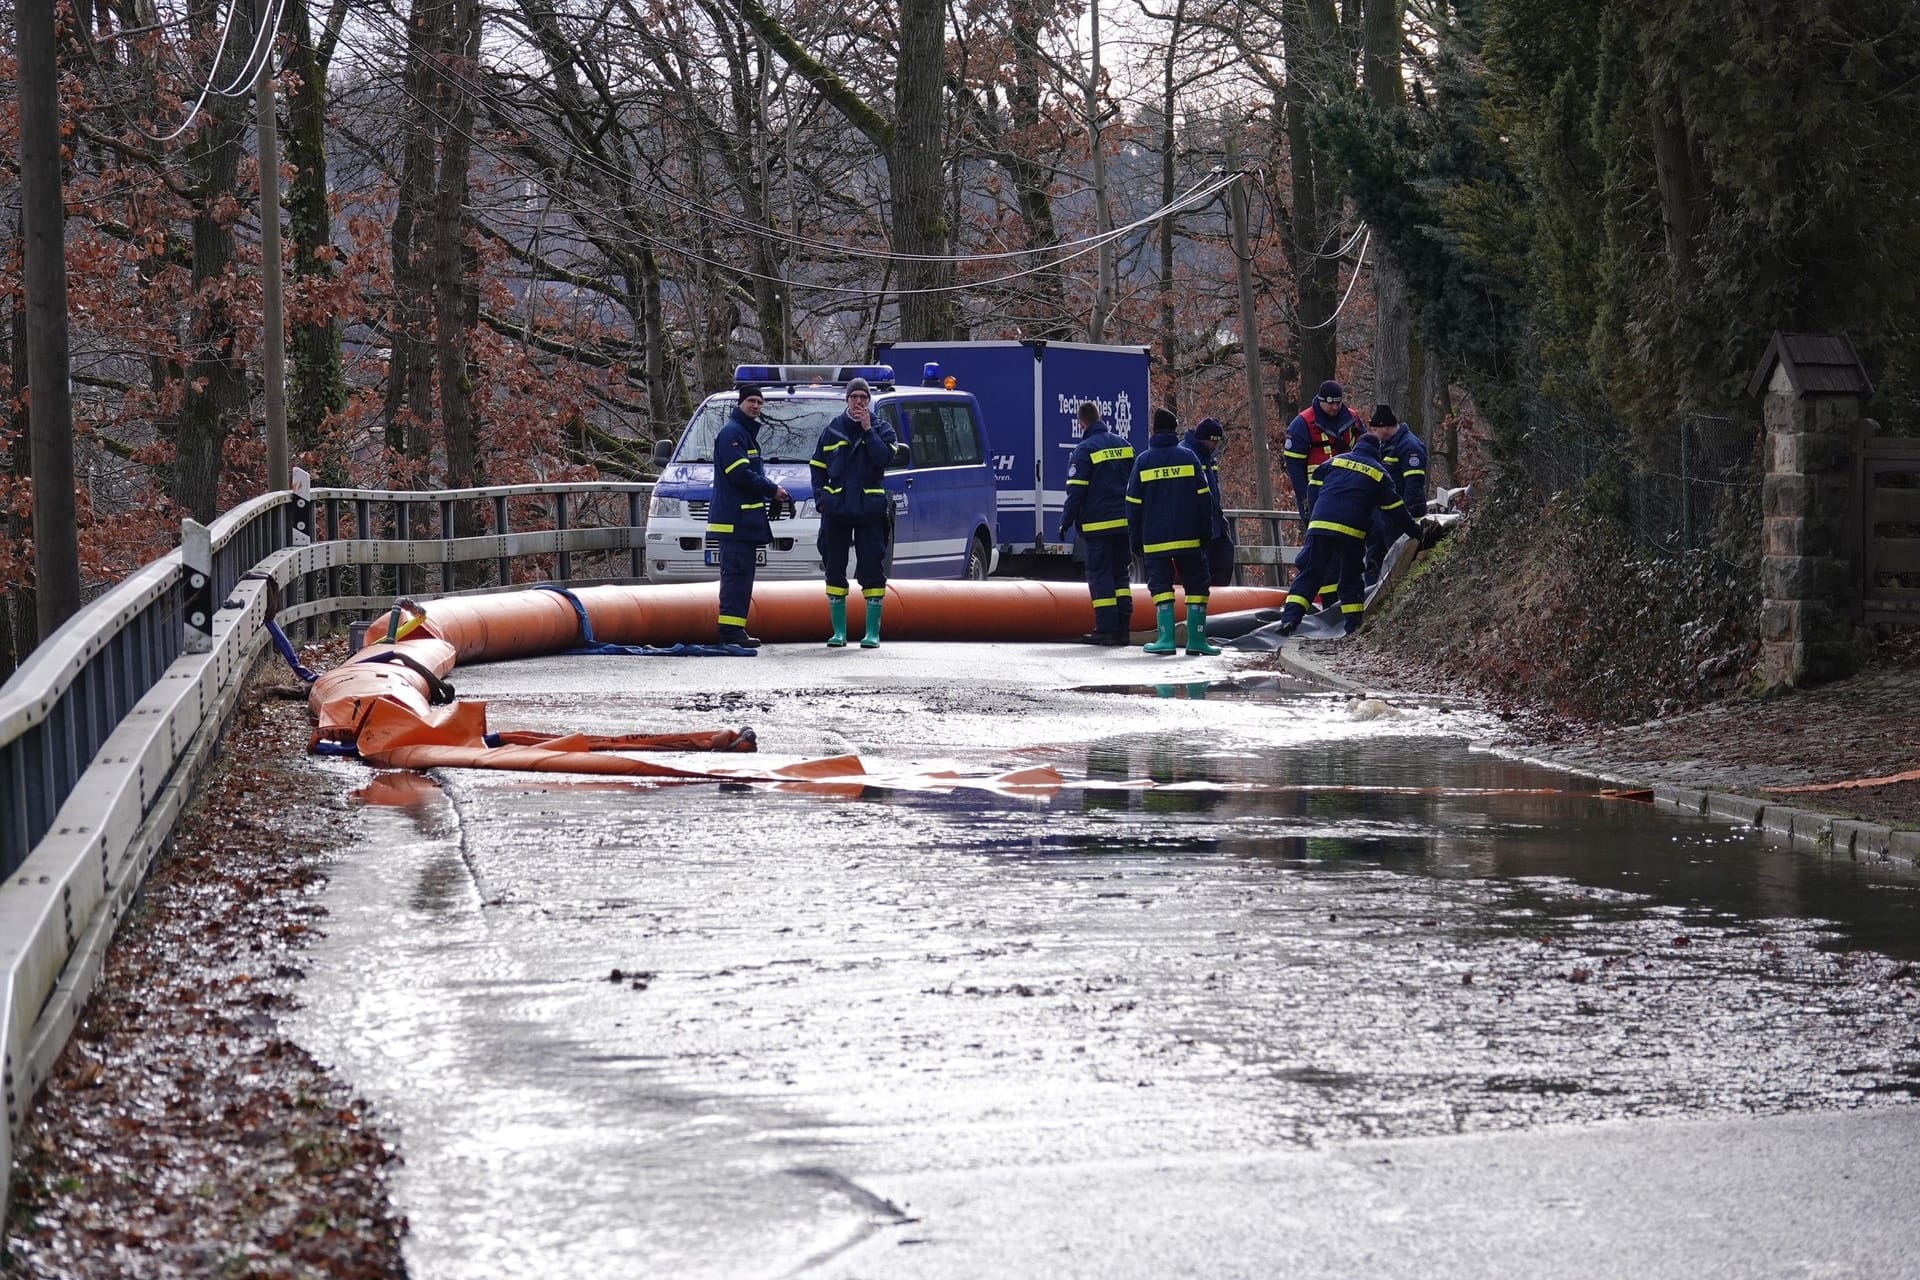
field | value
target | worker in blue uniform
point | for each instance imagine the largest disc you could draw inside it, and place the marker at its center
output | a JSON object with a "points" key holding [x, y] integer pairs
{"points": [[1170, 519], [1097, 477], [849, 469], [739, 518], [1208, 441], [1405, 457], [1324, 429], [1354, 486]]}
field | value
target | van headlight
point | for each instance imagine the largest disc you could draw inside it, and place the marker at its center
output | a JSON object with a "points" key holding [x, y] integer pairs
{"points": [[805, 510], [659, 508]]}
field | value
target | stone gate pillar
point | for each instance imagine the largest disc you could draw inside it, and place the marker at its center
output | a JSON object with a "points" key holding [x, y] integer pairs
{"points": [[1810, 577]]}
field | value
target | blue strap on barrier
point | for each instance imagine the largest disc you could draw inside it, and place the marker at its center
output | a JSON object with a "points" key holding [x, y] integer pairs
{"points": [[335, 749], [285, 646], [589, 645]]}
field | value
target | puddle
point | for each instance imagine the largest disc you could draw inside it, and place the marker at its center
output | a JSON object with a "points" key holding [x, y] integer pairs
{"points": [[1314, 928]]}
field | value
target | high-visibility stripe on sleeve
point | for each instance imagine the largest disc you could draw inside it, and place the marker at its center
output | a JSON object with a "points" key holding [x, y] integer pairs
{"points": [[1071, 483], [738, 462], [1292, 454], [1389, 506]]}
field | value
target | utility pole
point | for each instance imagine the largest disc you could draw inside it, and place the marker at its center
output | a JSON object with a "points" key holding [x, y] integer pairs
{"points": [[272, 306], [1250, 333], [43, 219]]}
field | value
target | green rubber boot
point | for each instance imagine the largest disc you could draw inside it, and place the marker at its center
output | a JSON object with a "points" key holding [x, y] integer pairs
{"points": [[837, 610], [871, 640], [1197, 633], [1164, 642]]}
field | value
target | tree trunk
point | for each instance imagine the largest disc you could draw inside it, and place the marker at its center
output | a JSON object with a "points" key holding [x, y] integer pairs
{"points": [[1673, 173], [914, 173], [319, 381], [409, 402], [1102, 205], [1045, 315], [1393, 308], [456, 297], [1316, 276], [1169, 315], [216, 389], [19, 624], [665, 403]]}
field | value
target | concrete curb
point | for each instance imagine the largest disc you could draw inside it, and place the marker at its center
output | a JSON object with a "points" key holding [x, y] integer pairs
{"points": [[1798, 828]]}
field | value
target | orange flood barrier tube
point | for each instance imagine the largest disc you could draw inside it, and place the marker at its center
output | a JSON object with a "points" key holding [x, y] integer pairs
{"points": [[392, 705], [524, 624]]}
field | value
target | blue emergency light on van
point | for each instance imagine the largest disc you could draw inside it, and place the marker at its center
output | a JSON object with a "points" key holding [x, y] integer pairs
{"points": [[877, 375], [944, 498]]}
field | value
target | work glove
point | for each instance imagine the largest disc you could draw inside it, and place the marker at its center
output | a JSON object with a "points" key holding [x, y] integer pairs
{"points": [[1431, 531]]}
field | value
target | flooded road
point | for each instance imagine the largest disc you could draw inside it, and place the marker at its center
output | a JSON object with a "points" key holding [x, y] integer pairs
{"points": [[730, 1030]]}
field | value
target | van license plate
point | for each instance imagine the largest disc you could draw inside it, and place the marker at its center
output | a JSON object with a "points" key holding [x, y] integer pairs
{"points": [[759, 556]]}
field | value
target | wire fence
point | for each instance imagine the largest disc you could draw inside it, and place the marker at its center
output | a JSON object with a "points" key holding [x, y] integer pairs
{"points": [[1695, 487]]}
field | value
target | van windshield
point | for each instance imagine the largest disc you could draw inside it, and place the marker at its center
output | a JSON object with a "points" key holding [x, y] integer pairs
{"points": [[789, 428]]}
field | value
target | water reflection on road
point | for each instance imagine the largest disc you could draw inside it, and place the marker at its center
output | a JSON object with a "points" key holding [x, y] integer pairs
{"points": [[681, 1023]]}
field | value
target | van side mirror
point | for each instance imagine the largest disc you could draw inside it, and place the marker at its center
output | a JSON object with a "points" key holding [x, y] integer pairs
{"points": [[902, 458], [662, 452]]}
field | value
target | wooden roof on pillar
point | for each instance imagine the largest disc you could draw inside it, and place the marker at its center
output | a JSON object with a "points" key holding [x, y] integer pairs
{"points": [[1816, 364]]}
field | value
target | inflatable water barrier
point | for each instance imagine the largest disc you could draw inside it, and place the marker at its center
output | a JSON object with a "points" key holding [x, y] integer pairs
{"points": [[391, 703], [525, 624]]}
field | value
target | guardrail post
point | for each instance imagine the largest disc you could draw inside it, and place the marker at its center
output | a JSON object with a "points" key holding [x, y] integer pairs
{"points": [[446, 536], [301, 532], [403, 571], [196, 557], [500, 532], [331, 509], [560, 526], [367, 573], [637, 532]]}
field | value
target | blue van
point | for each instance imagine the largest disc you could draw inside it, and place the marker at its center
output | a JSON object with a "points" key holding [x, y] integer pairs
{"points": [[944, 498]]}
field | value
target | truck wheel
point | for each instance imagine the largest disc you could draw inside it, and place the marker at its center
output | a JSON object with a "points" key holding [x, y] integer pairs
{"points": [[978, 558]]}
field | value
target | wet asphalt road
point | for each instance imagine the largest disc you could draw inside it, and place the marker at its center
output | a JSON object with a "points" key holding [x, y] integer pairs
{"points": [[1275, 983]]}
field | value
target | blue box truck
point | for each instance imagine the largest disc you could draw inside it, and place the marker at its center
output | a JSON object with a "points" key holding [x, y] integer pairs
{"points": [[1029, 394]]}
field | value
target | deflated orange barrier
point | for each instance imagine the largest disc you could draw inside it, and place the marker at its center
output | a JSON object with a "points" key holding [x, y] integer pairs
{"points": [[390, 703]]}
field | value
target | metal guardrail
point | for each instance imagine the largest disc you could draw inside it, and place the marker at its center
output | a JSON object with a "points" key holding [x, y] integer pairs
{"points": [[107, 727]]}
